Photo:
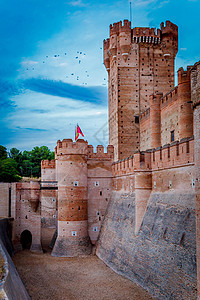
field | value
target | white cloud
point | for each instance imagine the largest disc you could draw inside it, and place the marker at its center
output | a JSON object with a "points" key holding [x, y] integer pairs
{"points": [[78, 3], [29, 62], [143, 2]]}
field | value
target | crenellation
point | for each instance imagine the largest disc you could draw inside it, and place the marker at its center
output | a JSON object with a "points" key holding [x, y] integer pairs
{"points": [[48, 164], [170, 155], [100, 154], [170, 97]]}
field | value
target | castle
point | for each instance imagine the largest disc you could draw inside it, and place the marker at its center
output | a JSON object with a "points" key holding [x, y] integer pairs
{"points": [[138, 202]]}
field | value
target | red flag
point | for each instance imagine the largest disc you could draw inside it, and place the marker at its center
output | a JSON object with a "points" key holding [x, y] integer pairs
{"points": [[77, 132]]}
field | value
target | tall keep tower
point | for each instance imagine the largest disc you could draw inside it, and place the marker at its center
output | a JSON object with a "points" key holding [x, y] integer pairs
{"points": [[140, 62]]}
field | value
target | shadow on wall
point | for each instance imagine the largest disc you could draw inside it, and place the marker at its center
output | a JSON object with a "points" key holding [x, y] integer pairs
{"points": [[26, 239]]}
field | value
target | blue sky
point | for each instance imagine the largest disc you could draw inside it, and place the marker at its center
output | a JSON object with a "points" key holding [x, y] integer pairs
{"points": [[51, 71]]}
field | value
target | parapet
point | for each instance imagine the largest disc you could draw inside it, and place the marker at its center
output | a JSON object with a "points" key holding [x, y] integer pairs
{"points": [[48, 164], [169, 28], [100, 154], [67, 146], [146, 35], [184, 76], [145, 115], [106, 45], [169, 98], [176, 154], [114, 29], [126, 27]]}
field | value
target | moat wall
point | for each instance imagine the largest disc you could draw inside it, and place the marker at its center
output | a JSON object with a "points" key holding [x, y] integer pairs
{"points": [[162, 257], [11, 286], [160, 254]]}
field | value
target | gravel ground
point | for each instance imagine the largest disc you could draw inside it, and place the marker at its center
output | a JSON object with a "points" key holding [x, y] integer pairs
{"points": [[47, 277]]}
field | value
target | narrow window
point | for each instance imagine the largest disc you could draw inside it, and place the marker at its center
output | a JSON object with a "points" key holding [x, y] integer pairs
{"points": [[172, 136], [136, 119], [188, 147]]}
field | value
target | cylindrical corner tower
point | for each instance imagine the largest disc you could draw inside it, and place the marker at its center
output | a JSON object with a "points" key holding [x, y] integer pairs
{"points": [[73, 239], [155, 120], [185, 105]]}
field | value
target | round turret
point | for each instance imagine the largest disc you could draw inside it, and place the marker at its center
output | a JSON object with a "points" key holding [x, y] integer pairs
{"points": [[106, 45], [155, 122], [125, 38], [114, 31], [185, 104], [73, 239]]}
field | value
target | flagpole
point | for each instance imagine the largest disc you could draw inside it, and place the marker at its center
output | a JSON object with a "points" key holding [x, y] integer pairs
{"points": [[131, 11]]}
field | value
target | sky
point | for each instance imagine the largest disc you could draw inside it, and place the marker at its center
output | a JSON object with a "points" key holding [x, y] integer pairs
{"points": [[51, 63]]}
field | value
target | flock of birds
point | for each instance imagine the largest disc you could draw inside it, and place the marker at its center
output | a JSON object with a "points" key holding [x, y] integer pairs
{"points": [[79, 58]]}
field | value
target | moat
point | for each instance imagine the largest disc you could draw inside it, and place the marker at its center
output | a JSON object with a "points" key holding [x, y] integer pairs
{"points": [[48, 277]]}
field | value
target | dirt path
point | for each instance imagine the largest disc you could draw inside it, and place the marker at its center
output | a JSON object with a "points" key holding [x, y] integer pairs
{"points": [[48, 277]]}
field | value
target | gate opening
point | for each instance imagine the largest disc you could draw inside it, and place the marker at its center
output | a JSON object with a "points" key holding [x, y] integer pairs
{"points": [[26, 239]]}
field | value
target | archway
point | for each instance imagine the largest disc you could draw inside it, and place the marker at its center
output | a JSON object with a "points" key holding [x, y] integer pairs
{"points": [[26, 239]]}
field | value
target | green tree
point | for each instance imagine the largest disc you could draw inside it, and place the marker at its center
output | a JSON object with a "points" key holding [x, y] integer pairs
{"points": [[38, 154], [8, 170], [28, 163], [3, 152]]}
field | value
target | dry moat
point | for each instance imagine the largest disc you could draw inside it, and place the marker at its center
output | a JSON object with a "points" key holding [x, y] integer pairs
{"points": [[48, 277]]}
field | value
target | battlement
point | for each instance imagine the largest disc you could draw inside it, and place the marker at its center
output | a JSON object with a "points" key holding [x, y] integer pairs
{"points": [[169, 28], [145, 115], [114, 29], [48, 164], [184, 76], [67, 146], [106, 44], [169, 98], [172, 155], [126, 27], [146, 35], [99, 154]]}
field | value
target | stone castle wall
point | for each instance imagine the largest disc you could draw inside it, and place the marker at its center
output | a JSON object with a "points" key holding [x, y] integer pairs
{"points": [[195, 97], [4, 199], [149, 229], [166, 114], [26, 212]]}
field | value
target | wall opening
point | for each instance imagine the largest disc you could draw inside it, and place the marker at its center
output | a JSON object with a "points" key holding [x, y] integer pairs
{"points": [[26, 239]]}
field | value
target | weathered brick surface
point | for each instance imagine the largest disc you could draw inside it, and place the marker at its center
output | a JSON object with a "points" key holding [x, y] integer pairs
{"points": [[4, 199], [26, 217], [195, 86], [140, 61], [162, 257]]}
